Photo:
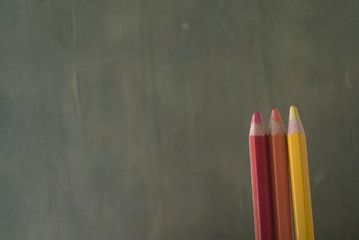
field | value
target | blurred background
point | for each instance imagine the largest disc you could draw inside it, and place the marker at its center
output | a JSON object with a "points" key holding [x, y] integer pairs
{"points": [[129, 119]]}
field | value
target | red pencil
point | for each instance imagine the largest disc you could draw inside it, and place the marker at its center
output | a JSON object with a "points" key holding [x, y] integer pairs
{"points": [[278, 158], [261, 181]]}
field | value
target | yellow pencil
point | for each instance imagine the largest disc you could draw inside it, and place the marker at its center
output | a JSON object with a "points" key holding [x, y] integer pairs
{"points": [[299, 175]]}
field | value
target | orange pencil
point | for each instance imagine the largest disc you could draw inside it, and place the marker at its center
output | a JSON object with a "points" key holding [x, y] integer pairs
{"points": [[279, 177]]}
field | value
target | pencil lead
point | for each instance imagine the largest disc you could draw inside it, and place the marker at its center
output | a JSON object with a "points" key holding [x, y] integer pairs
{"points": [[257, 118], [293, 113]]}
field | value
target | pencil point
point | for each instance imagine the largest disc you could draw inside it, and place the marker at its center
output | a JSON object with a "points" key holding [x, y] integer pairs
{"points": [[257, 118], [275, 116], [293, 113], [257, 125]]}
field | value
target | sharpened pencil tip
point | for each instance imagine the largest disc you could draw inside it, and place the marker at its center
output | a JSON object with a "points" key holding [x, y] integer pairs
{"points": [[275, 116], [293, 113], [257, 118]]}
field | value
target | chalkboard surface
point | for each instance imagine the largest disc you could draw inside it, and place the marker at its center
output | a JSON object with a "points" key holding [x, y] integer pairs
{"points": [[129, 119]]}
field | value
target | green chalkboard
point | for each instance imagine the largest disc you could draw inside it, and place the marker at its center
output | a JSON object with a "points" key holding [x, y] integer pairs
{"points": [[129, 119]]}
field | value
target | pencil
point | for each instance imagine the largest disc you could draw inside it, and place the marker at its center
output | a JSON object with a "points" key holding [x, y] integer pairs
{"points": [[279, 175], [261, 186], [298, 163]]}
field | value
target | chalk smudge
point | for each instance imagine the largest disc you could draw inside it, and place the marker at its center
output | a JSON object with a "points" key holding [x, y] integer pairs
{"points": [[75, 91], [348, 84]]}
